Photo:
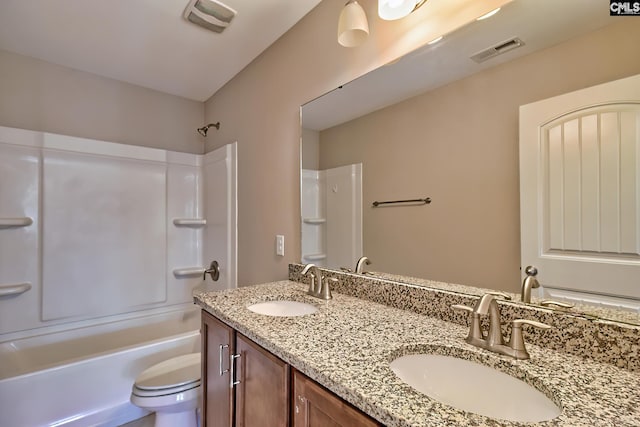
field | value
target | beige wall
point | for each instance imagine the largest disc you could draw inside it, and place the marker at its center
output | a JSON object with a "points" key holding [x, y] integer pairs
{"points": [[259, 108], [310, 149], [459, 145], [38, 95]]}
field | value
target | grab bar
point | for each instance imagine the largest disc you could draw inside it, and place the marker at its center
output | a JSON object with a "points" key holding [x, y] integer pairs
{"points": [[15, 222], [16, 289], [424, 201]]}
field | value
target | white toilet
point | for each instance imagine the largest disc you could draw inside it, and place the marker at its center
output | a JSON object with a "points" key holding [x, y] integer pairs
{"points": [[171, 389]]}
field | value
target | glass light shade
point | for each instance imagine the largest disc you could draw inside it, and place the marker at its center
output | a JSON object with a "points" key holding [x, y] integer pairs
{"points": [[395, 9], [353, 27], [488, 15]]}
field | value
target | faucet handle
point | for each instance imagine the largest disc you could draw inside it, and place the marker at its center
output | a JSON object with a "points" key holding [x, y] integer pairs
{"points": [[500, 294], [475, 333], [325, 287], [519, 322], [312, 283], [316, 275], [462, 308], [213, 271], [516, 342], [548, 302]]}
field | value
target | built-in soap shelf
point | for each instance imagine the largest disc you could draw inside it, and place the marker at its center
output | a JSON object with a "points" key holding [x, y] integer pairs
{"points": [[315, 257], [188, 272], [314, 220], [14, 289], [189, 222], [15, 222]]}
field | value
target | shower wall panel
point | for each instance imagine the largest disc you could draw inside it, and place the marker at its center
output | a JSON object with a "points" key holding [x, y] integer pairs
{"points": [[96, 238], [19, 246], [104, 234]]}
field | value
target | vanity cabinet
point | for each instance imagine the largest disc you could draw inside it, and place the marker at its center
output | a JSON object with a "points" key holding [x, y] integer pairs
{"points": [[243, 384], [218, 344], [315, 406], [264, 389], [262, 392]]}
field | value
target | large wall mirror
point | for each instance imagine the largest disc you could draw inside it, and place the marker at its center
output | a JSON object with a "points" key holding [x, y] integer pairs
{"points": [[442, 123]]}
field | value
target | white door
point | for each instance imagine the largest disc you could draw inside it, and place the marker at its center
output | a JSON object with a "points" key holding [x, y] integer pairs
{"points": [[580, 189], [220, 237]]}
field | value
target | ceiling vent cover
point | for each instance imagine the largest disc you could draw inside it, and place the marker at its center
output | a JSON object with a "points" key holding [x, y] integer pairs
{"points": [[210, 14], [498, 49]]}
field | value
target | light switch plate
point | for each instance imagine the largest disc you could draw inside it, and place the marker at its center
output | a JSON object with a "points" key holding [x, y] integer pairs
{"points": [[280, 245]]}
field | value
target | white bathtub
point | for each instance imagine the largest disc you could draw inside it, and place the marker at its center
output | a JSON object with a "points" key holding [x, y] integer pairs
{"points": [[83, 377]]}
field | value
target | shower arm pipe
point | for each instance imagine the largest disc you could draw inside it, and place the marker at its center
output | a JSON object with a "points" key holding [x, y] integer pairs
{"points": [[204, 129]]}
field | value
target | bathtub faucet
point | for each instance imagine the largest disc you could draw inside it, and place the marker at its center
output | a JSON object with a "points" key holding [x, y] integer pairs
{"points": [[213, 271]]}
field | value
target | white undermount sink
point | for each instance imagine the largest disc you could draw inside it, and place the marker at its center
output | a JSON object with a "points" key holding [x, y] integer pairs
{"points": [[473, 387], [283, 308]]}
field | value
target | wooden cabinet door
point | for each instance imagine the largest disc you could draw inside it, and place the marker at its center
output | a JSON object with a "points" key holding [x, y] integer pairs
{"points": [[262, 394], [217, 394], [314, 406]]}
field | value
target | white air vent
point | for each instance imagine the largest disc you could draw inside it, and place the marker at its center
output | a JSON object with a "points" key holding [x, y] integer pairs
{"points": [[498, 49], [210, 14]]}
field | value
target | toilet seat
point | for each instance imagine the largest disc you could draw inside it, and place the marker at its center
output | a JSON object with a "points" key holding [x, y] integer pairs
{"points": [[172, 390], [164, 391], [172, 376]]}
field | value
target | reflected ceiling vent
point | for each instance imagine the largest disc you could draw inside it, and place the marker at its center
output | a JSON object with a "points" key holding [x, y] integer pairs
{"points": [[210, 14], [498, 49]]}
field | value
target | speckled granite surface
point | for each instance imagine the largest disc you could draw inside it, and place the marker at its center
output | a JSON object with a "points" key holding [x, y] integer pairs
{"points": [[348, 343], [573, 333], [630, 317]]}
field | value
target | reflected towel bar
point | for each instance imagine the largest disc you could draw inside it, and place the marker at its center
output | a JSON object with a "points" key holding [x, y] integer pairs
{"points": [[424, 201]]}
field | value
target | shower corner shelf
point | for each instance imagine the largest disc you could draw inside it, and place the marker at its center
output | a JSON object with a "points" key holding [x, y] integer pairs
{"points": [[15, 222], [315, 257], [314, 220], [188, 271], [14, 289], [189, 222]]}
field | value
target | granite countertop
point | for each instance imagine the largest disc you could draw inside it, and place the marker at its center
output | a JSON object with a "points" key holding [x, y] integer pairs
{"points": [[631, 317], [348, 343]]}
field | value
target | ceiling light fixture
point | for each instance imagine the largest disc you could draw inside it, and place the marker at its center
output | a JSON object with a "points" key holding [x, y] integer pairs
{"points": [[488, 15], [436, 40], [391, 10], [353, 27]]}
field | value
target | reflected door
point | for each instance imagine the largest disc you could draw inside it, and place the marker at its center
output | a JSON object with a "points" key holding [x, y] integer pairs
{"points": [[580, 189]]}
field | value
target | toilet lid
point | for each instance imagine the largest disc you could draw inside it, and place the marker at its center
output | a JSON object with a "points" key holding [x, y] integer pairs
{"points": [[171, 373]]}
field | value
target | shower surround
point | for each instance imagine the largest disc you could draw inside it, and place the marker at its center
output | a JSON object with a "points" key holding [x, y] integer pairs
{"points": [[97, 239]]}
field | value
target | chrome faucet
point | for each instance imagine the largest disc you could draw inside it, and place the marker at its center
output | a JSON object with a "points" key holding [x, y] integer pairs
{"points": [[361, 261], [318, 286], [493, 339], [530, 282]]}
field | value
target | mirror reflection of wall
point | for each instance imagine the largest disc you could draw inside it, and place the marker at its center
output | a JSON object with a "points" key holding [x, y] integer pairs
{"points": [[458, 144]]}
